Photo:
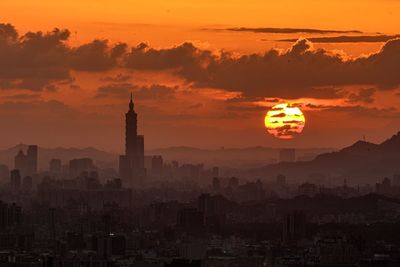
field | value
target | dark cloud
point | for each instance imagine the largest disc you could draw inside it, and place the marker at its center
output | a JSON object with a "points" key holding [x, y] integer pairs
{"points": [[119, 90], [301, 71], [279, 115], [75, 87], [96, 56], [35, 60], [195, 106], [359, 111], [120, 77], [293, 121], [289, 30], [123, 90], [363, 95], [348, 39], [155, 92], [246, 108], [37, 108], [19, 97]]}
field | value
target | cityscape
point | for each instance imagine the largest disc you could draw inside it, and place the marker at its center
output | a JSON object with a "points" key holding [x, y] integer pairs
{"points": [[156, 213], [199, 133]]}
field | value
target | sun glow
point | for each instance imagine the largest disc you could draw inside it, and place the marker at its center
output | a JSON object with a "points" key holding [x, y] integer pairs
{"points": [[284, 121]]}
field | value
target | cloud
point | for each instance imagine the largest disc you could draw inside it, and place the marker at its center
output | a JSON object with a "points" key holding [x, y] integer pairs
{"points": [[123, 90], [35, 60], [21, 97], [348, 39], [119, 90], [301, 71], [38, 60], [363, 95], [359, 111], [279, 115], [96, 56], [195, 106], [120, 77], [289, 30]]}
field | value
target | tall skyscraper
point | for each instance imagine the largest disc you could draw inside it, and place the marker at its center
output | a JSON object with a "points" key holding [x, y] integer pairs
{"points": [[27, 164], [131, 165]]}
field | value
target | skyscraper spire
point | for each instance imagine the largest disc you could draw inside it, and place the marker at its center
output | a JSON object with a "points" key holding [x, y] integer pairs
{"points": [[131, 103]]}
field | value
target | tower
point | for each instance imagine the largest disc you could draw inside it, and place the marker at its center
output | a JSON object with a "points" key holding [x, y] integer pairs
{"points": [[131, 165]]}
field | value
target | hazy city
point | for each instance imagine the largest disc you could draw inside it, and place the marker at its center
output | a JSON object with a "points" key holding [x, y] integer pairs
{"points": [[281, 148]]}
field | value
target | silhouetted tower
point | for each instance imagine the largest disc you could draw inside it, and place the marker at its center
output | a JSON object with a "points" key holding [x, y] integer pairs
{"points": [[130, 130], [27, 164], [32, 159], [131, 165]]}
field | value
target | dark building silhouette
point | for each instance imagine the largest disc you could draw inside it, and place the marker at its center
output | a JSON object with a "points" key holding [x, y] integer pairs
{"points": [[131, 165], [27, 163], [77, 166], [4, 173], [156, 166], [10, 215], [55, 166], [15, 180], [294, 227], [27, 183], [190, 219], [281, 180]]}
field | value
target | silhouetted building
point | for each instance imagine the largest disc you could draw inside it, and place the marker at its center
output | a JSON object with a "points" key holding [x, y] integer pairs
{"points": [[294, 227], [385, 187], [27, 183], [216, 184], [131, 165], [233, 182], [308, 189], [15, 180], [287, 155], [215, 172], [157, 166], [10, 215], [281, 180], [55, 166], [77, 166], [190, 219], [27, 164], [4, 173]]}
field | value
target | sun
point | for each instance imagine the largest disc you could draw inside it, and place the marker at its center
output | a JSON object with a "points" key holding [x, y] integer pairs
{"points": [[285, 121]]}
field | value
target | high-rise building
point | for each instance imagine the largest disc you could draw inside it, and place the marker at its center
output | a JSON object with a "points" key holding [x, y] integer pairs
{"points": [[77, 166], [157, 166], [15, 180], [4, 173], [294, 226], [55, 166], [27, 164], [131, 165]]}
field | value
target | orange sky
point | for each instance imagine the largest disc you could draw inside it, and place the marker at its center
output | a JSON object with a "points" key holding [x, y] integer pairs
{"points": [[192, 113]]}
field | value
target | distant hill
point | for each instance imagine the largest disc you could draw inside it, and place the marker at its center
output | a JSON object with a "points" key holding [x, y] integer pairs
{"points": [[362, 162], [250, 157], [225, 157], [102, 159]]}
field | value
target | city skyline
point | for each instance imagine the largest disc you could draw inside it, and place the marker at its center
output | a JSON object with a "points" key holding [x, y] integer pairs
{"points": [[201, 80]]}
